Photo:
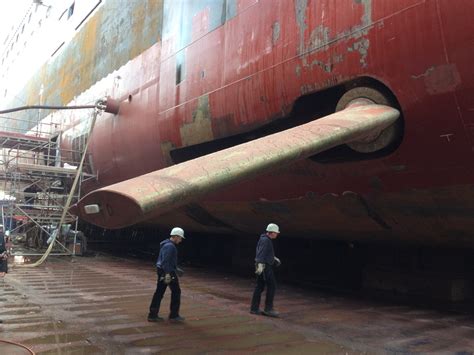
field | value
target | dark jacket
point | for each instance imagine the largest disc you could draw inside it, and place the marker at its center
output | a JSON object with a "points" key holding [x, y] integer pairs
{"points": [[265, 253], [168, 257], [3, 262], [2, 243]]}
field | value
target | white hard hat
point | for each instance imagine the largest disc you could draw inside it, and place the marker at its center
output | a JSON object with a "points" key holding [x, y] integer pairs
{"points": [[177, 231], [272, 227]]}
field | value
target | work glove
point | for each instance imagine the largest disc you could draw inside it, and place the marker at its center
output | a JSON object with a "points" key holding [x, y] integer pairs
{"points": [[259, 269], [167, 279], [179, 272], [277, 261]]}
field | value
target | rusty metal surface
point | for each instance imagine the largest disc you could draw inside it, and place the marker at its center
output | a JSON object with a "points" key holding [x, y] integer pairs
{"points": [[277, 51], [99, 305], [240, 66], [274, 52], [436, 217], [117, 32], [140, 198]]}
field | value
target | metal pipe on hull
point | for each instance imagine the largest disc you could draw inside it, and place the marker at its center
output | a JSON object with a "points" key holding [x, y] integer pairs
{"points": [[141, 198]]}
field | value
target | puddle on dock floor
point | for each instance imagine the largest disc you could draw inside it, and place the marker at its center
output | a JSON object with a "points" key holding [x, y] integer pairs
{"points": [[73, 350], [56, 338]]}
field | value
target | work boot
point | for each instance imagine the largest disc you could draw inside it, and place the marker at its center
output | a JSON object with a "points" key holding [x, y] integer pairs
{"points": [[270, 313], [256, 311], [153, 318], [176, 319]]}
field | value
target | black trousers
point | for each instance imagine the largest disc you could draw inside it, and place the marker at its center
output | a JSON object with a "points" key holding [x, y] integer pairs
{"points": [[4, 265], [266, 278], [160, 291]]}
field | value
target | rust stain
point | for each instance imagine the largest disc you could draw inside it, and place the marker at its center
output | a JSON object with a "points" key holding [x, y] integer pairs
{"points": [[103, 44], [425, 74], [139, 12], [300, 11], [200, 129], [327, 67], [362, 203], [87, 48], [166, 148], [32, 93], [298, 70], [362, 47], [165, 189], [367, 16], [319, 38], [440, 79]]}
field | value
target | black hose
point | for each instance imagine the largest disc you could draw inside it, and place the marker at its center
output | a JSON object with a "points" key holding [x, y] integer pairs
{"points": [[21, 108]]}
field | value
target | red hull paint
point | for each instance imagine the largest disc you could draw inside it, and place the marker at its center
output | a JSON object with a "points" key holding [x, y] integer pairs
{"points": [[251, 71]]}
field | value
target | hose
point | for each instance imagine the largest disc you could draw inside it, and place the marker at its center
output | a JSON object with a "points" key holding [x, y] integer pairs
{"points": [[71, 193], [17, 344], [47, 107]]}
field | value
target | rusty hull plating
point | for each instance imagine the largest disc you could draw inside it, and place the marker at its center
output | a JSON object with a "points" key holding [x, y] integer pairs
{"points": [[190, 72], [150, 195]]}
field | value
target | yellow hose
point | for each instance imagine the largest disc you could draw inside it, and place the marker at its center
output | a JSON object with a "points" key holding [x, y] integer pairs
{"points": [[69, 198]]}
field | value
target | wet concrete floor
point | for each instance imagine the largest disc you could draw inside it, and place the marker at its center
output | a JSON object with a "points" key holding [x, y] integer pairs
{"points": [[98, 305]]}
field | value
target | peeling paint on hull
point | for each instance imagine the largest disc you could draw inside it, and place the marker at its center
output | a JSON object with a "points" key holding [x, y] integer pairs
{"points": [[238, 67]]}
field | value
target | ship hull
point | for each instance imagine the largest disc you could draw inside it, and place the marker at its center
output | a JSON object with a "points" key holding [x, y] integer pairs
{"points": [[264, 62]]}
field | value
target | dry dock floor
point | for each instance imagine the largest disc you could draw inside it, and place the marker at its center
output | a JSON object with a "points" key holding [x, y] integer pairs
{"points": [[98, 305]]}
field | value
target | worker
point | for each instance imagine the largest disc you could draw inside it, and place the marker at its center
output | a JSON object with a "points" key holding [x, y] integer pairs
{"points": [[8, 242], [3, 254], [3, 257], [265, 260], [167, 270]]}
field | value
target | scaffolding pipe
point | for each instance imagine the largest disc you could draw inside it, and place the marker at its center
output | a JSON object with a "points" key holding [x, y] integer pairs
{"points": [[69, 199], [19, 152]]}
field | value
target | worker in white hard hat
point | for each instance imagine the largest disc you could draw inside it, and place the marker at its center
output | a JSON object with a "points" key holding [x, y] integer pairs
{"points": [[167, 270], [265, 260]]}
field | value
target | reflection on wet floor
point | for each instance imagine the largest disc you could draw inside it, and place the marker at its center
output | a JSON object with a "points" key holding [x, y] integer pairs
{"points": [[20, 259], [99, 305]]}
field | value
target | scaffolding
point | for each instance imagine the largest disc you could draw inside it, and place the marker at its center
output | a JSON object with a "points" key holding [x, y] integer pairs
{"points": [[37, 174]]}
